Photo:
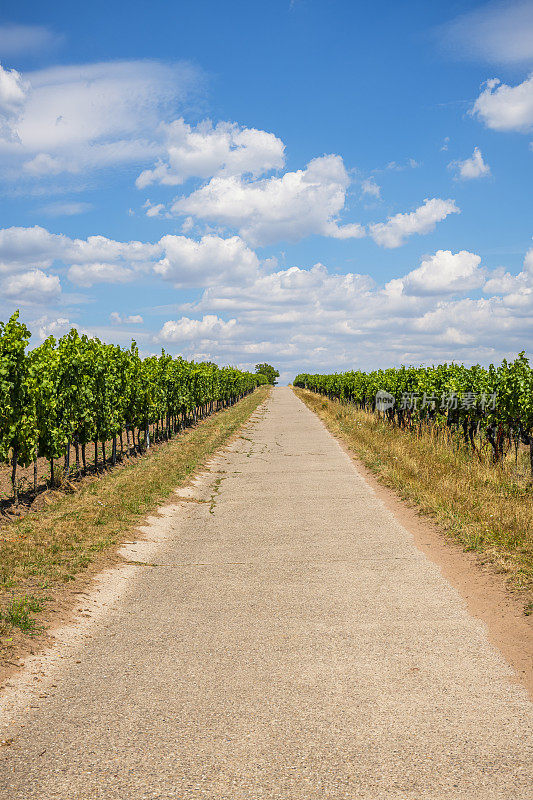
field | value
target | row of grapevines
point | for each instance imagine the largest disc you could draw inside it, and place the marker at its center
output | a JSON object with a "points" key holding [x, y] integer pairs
{"points": [[497, 401], [79, 390]]}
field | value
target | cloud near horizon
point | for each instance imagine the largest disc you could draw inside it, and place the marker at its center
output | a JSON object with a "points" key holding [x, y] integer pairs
{"points": [[298, 317], [294, 316]]}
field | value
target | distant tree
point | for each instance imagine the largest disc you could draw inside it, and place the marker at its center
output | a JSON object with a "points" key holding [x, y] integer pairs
{"points": [[268, 371]]}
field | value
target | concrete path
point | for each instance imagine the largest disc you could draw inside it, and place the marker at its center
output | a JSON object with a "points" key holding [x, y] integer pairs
{"points": [[287, 641]]}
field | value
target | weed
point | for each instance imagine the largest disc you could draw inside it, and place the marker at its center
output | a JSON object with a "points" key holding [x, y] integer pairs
{"points": [[19, 612]]}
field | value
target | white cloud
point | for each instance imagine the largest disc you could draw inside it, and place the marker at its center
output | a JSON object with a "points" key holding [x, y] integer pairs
{"points": [[92, 260], [71, 118], [290, 207], [24, 39], [423, 220], [97, 259], [286, 295], [501, 282], [370, 187], [100, 248], [33, 286], [88, 274], [13, 90], [21, 248], [473, 167], [303, 319], [153, 210], [516, 289], [210, 327], [497, 32], [52, 327], [43, 164], [212, 260], [206, 150], [445, 273], [295, 318], [506, 108], [130, 319], [473, 320]]}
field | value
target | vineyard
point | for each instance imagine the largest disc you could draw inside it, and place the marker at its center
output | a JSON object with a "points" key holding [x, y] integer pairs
{"points": [[492, 406], [62, 396]]}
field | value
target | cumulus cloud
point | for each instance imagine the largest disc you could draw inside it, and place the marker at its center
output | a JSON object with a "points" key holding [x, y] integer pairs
{"points": [[13, 90], [87, 275], [515, 289], [52, 327], [32, 286], [394, 232], [100, 248], [195, 331], [206, 150], [444, 273], [473, 167], [312, 319], [295, 317], [71, 118], [469, 320], [506, 108], [24, 247], [211, 260], [96, 259], [288, 293], [295, 205]]}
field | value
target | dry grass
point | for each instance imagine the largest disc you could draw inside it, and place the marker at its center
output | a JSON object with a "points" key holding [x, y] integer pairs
{"points": [[486, 508], [42, 550]]}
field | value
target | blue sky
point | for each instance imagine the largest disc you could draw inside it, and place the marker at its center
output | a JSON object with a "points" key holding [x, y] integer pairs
{"points": [[323, 185]]}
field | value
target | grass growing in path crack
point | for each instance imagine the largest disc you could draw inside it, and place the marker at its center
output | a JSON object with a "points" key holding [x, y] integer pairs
{"points": [[43, 550], [480, 505], [216, 491]]}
